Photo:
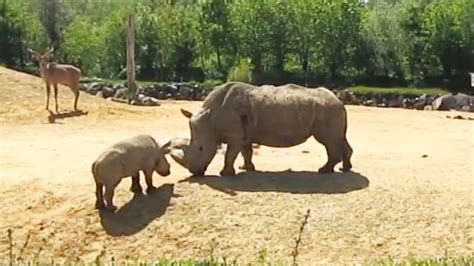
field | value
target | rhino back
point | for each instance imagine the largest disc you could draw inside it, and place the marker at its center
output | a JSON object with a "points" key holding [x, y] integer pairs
{"points": [[129, 156], [280, 116]]}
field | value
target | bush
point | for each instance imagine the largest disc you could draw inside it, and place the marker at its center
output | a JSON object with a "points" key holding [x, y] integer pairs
{"points": [[242, 71]]}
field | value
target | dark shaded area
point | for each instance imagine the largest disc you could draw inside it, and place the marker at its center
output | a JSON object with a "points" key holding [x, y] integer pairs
{"points": [[136, 214], [52, 116], [304, 182]]}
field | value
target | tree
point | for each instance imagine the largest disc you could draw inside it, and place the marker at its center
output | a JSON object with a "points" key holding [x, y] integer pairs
{"points": [[19, 29], [450, 37], [382, 32], [84, 43], [216, 29]]}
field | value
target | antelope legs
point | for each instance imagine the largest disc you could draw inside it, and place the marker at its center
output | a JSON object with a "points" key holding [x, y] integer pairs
{"points": [[56, 97], [48, 92]]}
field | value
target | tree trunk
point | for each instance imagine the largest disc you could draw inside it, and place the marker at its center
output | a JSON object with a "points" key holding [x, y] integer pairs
{"points": [[218, 54], [131, 56]]}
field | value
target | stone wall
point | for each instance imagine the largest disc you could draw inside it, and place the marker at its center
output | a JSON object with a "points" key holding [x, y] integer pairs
{"points": [[151, 95]]}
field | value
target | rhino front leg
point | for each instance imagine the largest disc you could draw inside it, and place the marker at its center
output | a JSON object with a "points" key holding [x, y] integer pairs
{"points": [[230, 156], [149, 181], [135, 187], [247, 152]]}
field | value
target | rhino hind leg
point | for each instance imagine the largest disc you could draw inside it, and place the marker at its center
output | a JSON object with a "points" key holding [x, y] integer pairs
{"points": [[346, 157], [334, 153], [247, 153], [99, 204], [334, 150], [109, 197]]}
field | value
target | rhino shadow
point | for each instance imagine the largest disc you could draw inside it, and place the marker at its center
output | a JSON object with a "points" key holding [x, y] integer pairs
{"points": [[136, 214], [293, 182]]}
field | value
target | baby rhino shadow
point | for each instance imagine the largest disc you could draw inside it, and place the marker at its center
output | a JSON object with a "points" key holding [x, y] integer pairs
{"points": [[285, 181], [136, 214]]}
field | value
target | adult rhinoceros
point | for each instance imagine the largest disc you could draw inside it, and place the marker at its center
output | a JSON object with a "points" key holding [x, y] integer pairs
{"points": [[241, 114]]}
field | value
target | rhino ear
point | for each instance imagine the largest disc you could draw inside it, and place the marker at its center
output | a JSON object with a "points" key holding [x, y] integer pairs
{"points": [[186, 113], [166, 148]]}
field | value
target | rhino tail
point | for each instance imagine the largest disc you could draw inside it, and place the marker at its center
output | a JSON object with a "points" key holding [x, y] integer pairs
{"points": [[346, 147], [94, 170]]}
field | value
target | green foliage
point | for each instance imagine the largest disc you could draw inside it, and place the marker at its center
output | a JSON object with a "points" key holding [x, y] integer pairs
{"points": [[449, 36], [383, 41], [241, 72], [369, 91], [19, 30], [445, 261], [84, 45]]}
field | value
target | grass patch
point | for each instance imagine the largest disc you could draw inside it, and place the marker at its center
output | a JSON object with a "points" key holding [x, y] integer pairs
{"points": [[445, 261], [369, 91]]}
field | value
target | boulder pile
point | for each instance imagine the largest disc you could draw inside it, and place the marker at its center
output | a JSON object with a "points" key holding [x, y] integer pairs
{"points": [[146, 95], [151, 95], [446, 102]]}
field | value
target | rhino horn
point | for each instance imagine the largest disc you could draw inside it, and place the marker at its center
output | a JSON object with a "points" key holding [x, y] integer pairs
{"points": [[178, 156]]}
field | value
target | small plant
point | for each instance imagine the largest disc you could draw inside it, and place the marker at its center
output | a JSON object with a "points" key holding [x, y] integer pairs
{"points": [[241, 72], [262, 256], [295, 253]]}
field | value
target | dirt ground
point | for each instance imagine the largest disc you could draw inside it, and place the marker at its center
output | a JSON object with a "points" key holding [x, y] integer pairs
{"points": [[410, 195]]}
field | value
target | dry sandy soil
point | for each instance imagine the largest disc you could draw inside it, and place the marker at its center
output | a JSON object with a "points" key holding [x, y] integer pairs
{"points": [[410, 195]]}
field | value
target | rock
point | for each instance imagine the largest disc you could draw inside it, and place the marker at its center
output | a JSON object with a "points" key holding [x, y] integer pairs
{"points": [[107, 92], [121, 93], [408, 103], [150, 101], [424, 156], [370, 102], [140, 97], [444, 103], [347, 97], [99, 94], [428, 108], [420, 102], [463, 100], [467, 108], [396, 102], [93, 88], [117, 86]]}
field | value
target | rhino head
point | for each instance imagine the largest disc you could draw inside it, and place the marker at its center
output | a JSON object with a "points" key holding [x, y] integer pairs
{"points": [[203, 144]]}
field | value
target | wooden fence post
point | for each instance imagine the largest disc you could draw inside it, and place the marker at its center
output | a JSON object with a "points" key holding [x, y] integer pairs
{"points": [[131, 56]]}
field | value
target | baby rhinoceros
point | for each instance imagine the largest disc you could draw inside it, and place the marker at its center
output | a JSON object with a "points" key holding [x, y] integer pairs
{"points": [[127, 158]]}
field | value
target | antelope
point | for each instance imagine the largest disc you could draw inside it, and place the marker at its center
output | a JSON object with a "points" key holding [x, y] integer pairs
{"points": [[53, 73]]}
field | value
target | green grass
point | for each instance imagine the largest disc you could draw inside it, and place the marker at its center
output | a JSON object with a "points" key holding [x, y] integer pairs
{"points": [[445, 261], [362, 90], [469, 260]]}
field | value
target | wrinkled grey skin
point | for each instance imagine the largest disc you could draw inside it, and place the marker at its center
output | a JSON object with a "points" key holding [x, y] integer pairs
{"points": [[240, 115], [127, 158]]}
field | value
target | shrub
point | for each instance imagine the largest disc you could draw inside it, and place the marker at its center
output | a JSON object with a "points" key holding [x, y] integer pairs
{"points": [[242, 71]]}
